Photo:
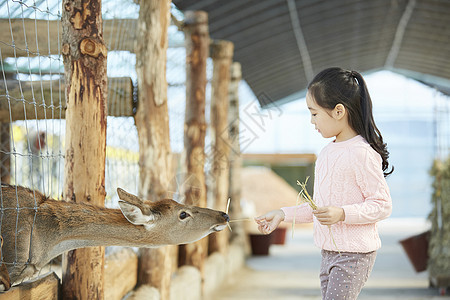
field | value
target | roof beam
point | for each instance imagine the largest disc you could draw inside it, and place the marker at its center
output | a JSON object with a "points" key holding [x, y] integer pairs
{"points": [[399, 33], [307, 65]]}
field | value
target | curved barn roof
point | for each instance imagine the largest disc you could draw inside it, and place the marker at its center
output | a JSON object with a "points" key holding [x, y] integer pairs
{"points": [[281, 44]]}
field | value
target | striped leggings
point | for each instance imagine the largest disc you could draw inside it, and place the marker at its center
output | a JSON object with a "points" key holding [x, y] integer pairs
{"points": [[343, 276]]}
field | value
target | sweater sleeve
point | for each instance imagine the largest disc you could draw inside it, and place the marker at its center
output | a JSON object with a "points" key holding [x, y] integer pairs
{"points": [[377, 204], [302, 213]]}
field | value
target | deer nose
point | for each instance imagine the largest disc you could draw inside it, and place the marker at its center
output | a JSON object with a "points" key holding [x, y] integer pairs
{"points": [[226, 217]]}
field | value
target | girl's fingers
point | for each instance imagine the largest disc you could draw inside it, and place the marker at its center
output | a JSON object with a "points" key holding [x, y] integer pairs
{"points": [[265, 229], [319, 212], [261, 222], [268, 222], [322, 209], [261, 219]]}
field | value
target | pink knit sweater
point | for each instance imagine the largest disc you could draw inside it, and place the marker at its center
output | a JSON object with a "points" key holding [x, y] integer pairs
{"points": [[348, 174]]}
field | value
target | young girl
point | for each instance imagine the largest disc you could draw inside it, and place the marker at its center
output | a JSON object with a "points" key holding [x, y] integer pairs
{"points": [[350, 189]]}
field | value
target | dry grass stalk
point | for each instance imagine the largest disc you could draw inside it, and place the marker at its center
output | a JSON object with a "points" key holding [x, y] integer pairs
{"points": [[304, 197], [241, 220], [228, 207], [236, 220]]}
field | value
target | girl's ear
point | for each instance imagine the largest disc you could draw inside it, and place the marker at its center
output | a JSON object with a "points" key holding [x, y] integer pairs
{"points": [[339, 111]]}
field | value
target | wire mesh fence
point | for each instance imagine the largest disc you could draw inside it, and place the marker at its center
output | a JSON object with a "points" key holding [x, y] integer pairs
{"points": [[32, 103], [32, 129]]}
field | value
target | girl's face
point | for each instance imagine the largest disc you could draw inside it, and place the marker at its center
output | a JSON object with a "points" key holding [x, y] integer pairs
{"points": [[325, 121]]}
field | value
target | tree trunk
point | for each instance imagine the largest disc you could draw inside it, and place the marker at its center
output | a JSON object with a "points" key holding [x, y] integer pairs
{"points": [[222, 55], [235, 153], [152, 121], [84, 54], [197, 51]]}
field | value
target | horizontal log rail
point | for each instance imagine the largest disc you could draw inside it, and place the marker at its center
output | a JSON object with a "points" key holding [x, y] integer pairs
{"points": [[46, 32], [45, 99]]}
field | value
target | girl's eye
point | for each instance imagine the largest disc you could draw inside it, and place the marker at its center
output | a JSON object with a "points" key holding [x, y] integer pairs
{"points": [[183, 215], [313, 115]]}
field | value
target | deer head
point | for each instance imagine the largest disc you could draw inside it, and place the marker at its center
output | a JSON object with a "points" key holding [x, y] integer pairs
{"points": [[174, 223]]}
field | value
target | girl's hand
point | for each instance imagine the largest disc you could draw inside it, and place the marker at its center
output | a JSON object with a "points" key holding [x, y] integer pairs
{"points": [[329, 215], [270, 221]]}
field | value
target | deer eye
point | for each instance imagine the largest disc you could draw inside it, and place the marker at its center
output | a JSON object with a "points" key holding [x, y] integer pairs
{"points": [[183, 215]]}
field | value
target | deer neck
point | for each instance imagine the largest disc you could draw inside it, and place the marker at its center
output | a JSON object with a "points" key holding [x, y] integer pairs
{"points": [[83, 225]]}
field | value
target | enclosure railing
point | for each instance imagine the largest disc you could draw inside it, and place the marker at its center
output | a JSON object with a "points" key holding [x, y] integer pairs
{"points": [[33, 108]]}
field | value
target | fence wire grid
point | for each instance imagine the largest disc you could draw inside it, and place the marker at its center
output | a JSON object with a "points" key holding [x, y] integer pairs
{"points": [[32, 102]]}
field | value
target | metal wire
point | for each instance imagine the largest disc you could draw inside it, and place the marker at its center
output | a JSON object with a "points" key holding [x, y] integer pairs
{"points": [[40, 168]]}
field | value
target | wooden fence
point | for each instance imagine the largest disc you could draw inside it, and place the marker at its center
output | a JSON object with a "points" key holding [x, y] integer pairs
{"points": [[89, 97]]}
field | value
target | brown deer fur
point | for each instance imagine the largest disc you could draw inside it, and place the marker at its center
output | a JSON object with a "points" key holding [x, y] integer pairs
{"points": [[36, 229]]}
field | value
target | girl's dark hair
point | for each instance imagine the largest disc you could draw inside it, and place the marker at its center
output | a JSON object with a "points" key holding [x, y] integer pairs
{"points": [[335, 86]]}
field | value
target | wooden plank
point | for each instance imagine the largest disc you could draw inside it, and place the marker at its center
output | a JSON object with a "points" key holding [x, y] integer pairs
{"points": [[121, 269], [44, 29], [43, 287], [120, 99]]}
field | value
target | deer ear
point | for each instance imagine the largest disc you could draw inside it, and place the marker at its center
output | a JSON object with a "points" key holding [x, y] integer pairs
{"points": [[134, 214], [130, 198]]}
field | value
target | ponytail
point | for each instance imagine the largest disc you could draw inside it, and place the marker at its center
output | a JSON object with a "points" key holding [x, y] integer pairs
{"points": [[334, 86], [371, 132]]}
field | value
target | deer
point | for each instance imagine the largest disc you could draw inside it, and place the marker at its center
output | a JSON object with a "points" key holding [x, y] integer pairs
{"points": [[34, 228]]}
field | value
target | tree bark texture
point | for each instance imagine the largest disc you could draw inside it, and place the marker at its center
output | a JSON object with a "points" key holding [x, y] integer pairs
{"points": [[222, 55], [197, 51], [84, 55], [152, 121]]}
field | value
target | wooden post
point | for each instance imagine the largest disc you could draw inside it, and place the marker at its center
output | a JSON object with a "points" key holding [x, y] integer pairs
{"points": [[5, 149], [84, 55], [222, 55], [197, 52], [235, 153], [152, 121]]}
